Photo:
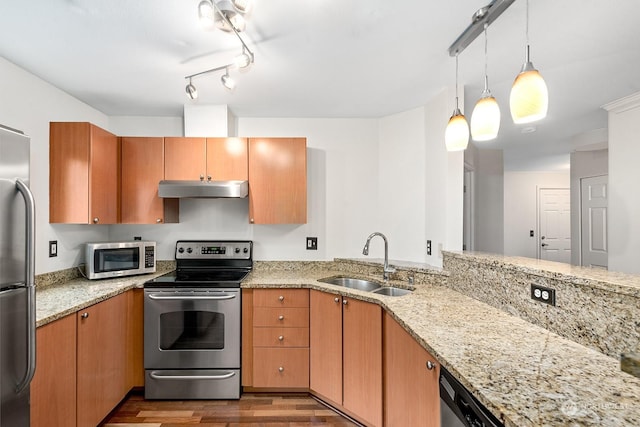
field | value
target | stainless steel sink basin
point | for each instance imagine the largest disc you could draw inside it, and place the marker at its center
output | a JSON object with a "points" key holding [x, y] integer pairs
{"points": [[365, 285], [350, 282], [391, 291]]}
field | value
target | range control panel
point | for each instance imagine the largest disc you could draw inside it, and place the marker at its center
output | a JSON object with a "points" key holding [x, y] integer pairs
{"points": [[225, 249]]}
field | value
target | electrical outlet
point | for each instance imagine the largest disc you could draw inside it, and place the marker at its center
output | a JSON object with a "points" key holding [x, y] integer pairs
{"points": [[312, 243], [542, 294], [428, 247], [53, 248]]}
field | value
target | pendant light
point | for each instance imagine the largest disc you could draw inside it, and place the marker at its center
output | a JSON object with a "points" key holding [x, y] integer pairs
{"points": [[485, 119], [529, 99], [456, 136]]}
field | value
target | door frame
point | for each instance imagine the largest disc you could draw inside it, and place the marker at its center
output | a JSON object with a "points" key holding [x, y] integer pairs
{"points": [[468, 216]]}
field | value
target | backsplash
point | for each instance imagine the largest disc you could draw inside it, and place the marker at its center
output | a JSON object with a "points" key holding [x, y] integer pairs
{"points": [[595, 308]]}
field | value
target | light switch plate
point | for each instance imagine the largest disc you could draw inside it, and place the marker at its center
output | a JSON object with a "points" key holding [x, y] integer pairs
{"points": [[312, 243]]}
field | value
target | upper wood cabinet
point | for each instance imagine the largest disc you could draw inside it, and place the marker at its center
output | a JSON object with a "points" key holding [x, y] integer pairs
{"points": [[412, 391], [142, 168], [83, 174], [205, 158], [278, 180]]}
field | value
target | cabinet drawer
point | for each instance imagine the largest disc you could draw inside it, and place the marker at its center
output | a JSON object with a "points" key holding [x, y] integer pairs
{"points": [[281, 298], [281, 367], [281, 337], [281, 317]]}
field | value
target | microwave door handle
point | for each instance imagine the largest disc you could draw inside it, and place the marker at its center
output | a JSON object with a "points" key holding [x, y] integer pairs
{"points": [[190, 297], [30, 282]]}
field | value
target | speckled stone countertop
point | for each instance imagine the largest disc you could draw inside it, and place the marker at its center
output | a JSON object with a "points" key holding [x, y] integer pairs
{"points": [[56, 301], [524, 374]]}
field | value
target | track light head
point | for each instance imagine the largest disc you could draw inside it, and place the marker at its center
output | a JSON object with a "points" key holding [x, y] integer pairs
{"points": [[227, 14], [243, 60], [206, 14], [227, 81], [191, 90]]}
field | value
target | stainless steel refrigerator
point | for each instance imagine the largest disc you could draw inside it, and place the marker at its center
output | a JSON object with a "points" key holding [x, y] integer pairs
{"points": [[17, 279]]}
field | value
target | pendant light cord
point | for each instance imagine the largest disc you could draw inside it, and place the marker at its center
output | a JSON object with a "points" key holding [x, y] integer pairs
{"points": [[457, 81], [486, 60], [527, 25]]}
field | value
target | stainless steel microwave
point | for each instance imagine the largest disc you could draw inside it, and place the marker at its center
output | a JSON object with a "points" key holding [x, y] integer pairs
{"points": [[111, 259]]}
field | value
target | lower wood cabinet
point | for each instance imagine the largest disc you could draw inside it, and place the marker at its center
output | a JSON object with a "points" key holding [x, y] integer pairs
{"points": [[412, 393], [346, 354], [53, 390], [87, 362]]}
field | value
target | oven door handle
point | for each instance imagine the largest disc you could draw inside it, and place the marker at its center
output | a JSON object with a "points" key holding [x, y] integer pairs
{"points": [[155, 376], [190, 297]]}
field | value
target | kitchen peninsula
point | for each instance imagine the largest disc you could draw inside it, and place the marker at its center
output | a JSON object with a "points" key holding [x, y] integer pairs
{"points": [[525, 374]]}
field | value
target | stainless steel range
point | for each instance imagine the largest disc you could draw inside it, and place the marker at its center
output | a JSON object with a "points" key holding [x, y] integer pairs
{"points": [[192, 322]]}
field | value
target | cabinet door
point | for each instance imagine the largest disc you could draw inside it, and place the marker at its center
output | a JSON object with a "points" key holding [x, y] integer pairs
{"points": [[411, 390], [362, 360], [53, 390], [102, 359], [185, 158], [227, 159], [326, 345], [83, 174], [278, 180], [142, 169], [104, 174]]}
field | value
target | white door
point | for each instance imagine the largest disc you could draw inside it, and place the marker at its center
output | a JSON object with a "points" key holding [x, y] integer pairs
{"points": [[593, 217], [555, 224]]}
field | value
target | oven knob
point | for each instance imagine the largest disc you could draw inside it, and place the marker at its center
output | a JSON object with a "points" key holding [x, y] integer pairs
{"points": [[245, 250], [181, 249], [189, 250], [237, 250]]}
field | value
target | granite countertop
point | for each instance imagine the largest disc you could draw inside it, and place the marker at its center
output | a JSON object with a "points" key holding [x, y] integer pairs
{"points": [[524, 374]]}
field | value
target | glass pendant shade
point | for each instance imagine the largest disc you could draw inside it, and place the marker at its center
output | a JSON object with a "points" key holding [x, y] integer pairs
{"points": [[456, 136], [485, 119], [529, 99]]}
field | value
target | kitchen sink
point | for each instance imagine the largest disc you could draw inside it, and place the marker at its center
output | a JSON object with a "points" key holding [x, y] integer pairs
{"points": [[391, 291], [365, 285], [350, 282]]}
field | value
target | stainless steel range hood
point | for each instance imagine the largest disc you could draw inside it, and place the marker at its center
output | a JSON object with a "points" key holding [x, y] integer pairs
{"points": [[203, 189]]}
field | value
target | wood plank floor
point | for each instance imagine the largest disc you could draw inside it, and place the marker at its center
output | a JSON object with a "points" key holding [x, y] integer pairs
{"points": [[252, 410]]}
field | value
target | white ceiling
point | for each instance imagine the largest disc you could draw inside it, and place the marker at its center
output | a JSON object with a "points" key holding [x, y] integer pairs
{"points": [[332, 58]]}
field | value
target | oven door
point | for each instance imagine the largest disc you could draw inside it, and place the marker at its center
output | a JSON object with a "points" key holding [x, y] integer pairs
{"points": [[192, 329]]}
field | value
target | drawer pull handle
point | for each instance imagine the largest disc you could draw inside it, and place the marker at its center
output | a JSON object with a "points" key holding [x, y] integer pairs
{"points": [[281, 369], [281, 298], [281, 317], [280, 338]]}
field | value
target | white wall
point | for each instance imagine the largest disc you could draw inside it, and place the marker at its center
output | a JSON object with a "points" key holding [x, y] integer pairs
{"points": [[489, 201], [624, 197], [584, 164], [521, 210], [146, 126], [29, 104]]}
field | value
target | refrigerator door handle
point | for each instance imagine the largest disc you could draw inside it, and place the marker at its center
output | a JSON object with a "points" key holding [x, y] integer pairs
{"points": [[30, 280]]}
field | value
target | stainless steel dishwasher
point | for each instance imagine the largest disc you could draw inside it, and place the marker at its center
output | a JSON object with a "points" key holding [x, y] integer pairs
{"points": [[458, 407]]}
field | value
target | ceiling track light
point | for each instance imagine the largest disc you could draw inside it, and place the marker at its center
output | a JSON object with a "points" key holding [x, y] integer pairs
{"points": [[485, 118], [246, 58], [529, 98], [456, 135]]}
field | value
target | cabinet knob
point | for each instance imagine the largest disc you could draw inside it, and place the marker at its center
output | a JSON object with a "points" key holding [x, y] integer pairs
{"points": [[281, 298], [336, 299], [431, 365], [96, 220], [345, 302], [251, 221], [281, 369], [159, 220], [84, 315], [208, 177], [280, 338], [281, 317]]}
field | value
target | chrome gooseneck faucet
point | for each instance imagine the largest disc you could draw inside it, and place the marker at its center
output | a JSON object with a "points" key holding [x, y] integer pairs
{"points": [[365, 251]]}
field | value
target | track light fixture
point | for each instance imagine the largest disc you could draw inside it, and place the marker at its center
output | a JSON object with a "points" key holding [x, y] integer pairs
{"points": [[211, 12]]}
